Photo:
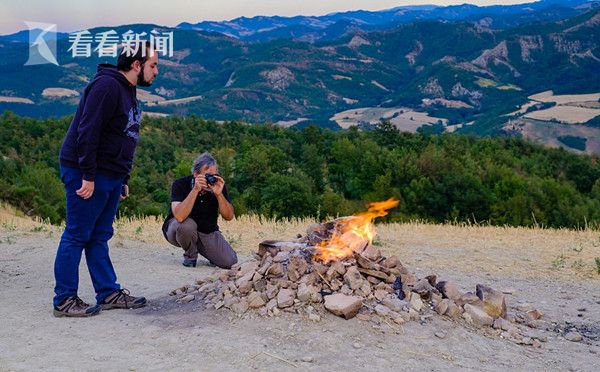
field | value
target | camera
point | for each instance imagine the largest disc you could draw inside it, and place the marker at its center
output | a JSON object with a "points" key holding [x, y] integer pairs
{"points": [[211, 179]]}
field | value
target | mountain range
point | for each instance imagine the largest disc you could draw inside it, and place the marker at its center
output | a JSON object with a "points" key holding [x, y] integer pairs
{"points": [[463, 67], [333, 26]]}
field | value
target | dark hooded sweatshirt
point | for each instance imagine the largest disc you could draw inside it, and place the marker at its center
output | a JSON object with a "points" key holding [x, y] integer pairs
{"points": [[104, 132]]}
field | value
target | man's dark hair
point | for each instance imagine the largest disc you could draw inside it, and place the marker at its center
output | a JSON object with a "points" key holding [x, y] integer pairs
{"points": [[124, 61]]}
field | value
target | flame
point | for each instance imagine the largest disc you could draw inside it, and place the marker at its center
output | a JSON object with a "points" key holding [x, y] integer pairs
{"points": [[352, 234]]}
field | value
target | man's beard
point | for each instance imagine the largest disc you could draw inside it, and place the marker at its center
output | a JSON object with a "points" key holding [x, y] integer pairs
{"points": [[141, 81]]}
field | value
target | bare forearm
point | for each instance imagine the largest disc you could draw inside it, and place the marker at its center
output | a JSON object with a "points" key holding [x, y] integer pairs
{"points": [[225, 208], [182, 210]]}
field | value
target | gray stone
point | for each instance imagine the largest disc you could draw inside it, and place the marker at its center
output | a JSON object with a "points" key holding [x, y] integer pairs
{"points": [[353, 278], [527, 341], [285, 297], [314, 317], [229, 301], [413, 315], [391, 262], [380, 294], [424, 288], [338, 267], [267, 261], [416, 303], [281, 256], [494, 302], [394, 304], [343, 305], [297, 267], [260, 285], [468, 298], [536, 335], [534, 314], [274, 270], [271, 304], [442, 306], [408, 279], [478, 316], [449, 289], [272, 290], [245, 287], [255, 300], [364, 290], [371, 253], [239, 307], [247, 267], [307, 293], [573, 336], [188, 298], [503, 324], [385, 287], [382, 310]]}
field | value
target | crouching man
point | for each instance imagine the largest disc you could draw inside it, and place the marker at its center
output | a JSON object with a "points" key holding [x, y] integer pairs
{"points": [[196, 202]]}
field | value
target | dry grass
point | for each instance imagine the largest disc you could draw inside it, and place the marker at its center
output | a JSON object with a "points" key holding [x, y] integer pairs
{"points": [[404, 119], [500, 251], [154, 114], [289, 123], [146, 96], [564, 99], [16, 100], [566, 114], [59, 93], [513, 252], [378, 85], [548, 133], [178, 101]]}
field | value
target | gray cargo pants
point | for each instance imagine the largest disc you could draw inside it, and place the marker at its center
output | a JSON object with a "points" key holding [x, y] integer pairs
{"points": [[212, 246]]}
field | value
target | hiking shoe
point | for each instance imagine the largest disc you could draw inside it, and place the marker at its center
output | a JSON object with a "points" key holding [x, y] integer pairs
{"points": [[75, 307], [122, 300], [189, 262]]}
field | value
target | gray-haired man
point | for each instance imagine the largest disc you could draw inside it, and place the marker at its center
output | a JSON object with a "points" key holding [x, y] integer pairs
{"points": [[196, 202]]}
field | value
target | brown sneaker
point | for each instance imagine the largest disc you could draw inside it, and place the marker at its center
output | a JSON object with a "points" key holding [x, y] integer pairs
{"points": [[75, 307], [122, 300]]}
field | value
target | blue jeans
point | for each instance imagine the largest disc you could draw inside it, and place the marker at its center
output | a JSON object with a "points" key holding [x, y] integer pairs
{"points": [[89, 227]]}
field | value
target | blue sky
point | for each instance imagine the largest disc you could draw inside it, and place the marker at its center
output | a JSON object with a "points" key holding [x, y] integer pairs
{"points": [[72, 15]]}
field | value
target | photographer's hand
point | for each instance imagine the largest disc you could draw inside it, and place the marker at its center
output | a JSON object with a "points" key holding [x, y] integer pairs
{"points": [[217, 188], [124, 193], [200, 183], [87, 189], [225, 207]]}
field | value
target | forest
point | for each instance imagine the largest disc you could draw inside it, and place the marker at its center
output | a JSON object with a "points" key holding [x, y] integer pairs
{"points": [[286, 173]]}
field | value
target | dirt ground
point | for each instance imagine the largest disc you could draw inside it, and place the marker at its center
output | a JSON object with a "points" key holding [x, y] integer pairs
{"points": [[552, 269]]}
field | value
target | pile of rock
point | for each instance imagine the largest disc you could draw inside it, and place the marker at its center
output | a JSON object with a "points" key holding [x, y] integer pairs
{"points": [[284, 276]]}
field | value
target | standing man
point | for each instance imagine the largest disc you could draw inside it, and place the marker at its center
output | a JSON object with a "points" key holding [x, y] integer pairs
{"points": [[95, 162], [196, 203]]}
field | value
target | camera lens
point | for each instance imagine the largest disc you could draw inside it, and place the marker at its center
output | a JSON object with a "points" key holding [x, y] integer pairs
{"points": [[210, 179]]}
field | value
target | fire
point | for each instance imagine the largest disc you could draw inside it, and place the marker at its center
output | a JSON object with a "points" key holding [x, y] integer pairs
{"points": [[353, 234]]}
